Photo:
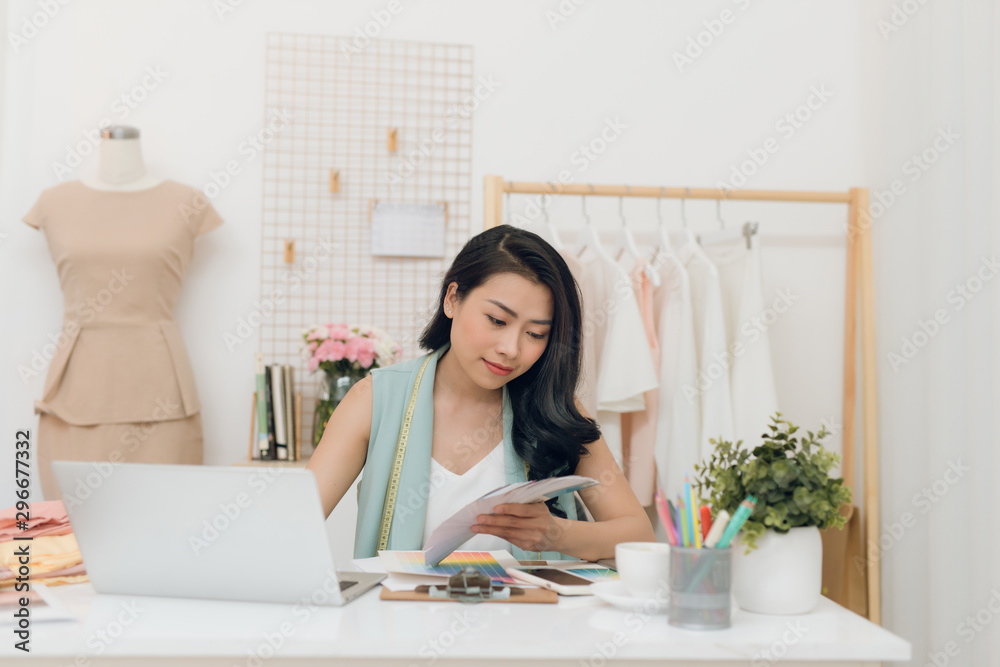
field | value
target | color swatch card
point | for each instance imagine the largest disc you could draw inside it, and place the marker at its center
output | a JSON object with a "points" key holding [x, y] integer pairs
{"points": [[594, 573], [490, 563], [457, 528]]}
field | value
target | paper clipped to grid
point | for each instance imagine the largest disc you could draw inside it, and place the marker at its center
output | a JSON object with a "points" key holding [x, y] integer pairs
{"points": [[457, 528], [408, 230]]}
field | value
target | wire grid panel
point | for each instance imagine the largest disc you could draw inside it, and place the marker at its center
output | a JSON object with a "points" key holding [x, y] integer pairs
{"points": [[337, 103]]}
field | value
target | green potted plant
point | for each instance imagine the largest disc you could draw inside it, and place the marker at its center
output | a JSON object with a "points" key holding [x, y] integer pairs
{"points": [[779, 570]]}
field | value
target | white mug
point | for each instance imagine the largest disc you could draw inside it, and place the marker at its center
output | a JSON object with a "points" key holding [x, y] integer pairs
{"points": [[644, 568]]}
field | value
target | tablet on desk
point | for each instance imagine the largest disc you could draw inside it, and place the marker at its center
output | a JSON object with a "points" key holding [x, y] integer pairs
{"points": [[563, 582]]}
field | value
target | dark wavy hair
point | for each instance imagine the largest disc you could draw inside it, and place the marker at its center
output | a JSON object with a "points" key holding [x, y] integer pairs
{"points": [[542, 398]]}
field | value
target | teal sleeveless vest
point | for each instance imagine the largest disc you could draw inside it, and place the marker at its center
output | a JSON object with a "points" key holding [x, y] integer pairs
{"points": [[391, 388]]}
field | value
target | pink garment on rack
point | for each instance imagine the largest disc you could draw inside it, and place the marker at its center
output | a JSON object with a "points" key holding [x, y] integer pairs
{"points": [[47, 517], [639, 428]]}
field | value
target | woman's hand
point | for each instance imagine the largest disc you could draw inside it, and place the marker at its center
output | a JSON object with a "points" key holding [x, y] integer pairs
{"points": [[529, 526]]}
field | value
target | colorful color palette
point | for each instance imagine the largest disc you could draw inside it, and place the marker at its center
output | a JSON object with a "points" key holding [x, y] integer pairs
{"points": [[412, 562], [594, 573]]}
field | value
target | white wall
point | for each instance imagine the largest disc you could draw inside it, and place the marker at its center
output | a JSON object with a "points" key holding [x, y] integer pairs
{"points": [[558, 88]]}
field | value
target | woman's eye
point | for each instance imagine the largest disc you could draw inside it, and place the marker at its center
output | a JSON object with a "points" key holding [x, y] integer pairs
{"points": [[494, 320], [537, 336]]}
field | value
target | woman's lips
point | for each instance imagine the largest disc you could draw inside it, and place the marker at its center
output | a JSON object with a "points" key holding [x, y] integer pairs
{"points": [[497, 370]]}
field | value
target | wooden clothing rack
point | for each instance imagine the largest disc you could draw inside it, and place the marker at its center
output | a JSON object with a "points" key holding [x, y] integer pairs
{"points": [[858, 292]]}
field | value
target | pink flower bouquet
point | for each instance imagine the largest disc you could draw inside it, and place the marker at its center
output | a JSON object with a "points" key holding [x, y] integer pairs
{"points": [[342, 349]]}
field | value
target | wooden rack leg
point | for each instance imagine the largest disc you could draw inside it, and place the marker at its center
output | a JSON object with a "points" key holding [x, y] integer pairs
{"points": [[850, 350], [492, 201], [869, 413]]}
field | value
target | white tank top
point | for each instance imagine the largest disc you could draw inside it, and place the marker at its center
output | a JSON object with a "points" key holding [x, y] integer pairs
{"points": [[450, 492]]}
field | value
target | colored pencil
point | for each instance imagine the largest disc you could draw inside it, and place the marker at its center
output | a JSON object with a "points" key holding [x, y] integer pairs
{"points": [[672, 511], [661, 509], [706, 522], [692, 509], [685, 526]]}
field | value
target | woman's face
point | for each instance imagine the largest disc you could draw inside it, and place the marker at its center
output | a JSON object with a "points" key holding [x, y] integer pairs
{"points": [[500, 329]]}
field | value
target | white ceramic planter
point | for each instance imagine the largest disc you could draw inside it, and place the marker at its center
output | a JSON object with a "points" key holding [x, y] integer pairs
{"points": [[783, 575]]}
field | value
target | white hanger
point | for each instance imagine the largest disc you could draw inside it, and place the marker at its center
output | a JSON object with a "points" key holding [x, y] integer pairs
{"points": [[589, 238], [688, 234], [664, 245], [550, 229], [625, 241], [748, 230]]}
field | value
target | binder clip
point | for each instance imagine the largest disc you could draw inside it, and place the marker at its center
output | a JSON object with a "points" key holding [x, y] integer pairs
{"points": [[471, 585]]}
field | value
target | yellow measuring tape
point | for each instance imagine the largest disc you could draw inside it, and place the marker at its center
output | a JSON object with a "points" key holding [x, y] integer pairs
{"points": [[389, 506]]}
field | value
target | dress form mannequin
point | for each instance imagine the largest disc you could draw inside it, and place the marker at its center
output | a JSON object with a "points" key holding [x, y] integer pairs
{"points": [[120, 386], [120, 166]]}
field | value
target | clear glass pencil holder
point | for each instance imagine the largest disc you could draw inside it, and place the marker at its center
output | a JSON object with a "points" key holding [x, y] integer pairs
{"points": [[700, 588]]}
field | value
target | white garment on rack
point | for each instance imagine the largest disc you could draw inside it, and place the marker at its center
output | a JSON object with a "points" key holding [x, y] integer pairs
{"points": [[751, 373], [712, 386], [678, 426], [617, 365], [450, 492], [586, 386]]}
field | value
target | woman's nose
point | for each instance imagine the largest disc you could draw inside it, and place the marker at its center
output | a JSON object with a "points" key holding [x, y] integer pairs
{"points": [[509, 343]]}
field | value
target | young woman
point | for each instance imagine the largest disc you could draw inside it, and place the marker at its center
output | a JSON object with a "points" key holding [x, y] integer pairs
{"points": [[491, 403]]}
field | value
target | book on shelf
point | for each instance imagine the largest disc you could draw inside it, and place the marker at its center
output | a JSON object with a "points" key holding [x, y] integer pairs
{"points": [[288, 392], [272, 450], [276, 413], [278, 407], [261, 406]]}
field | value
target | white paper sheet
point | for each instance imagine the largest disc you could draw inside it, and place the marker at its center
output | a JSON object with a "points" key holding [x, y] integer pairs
{"points": [[408, 230], [457, 528]]}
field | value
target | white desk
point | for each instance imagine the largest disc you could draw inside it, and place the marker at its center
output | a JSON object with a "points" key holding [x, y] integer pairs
{"points": [[127, 630]]}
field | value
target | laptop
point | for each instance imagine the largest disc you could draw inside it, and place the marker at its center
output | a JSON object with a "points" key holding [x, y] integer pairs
{"points": [[214, 532]]}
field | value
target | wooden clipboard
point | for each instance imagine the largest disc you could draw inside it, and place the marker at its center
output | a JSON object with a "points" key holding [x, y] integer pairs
{"points": [[535, 595]]}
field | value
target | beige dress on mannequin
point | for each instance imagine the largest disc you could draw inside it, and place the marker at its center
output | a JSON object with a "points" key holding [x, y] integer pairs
{"points": [[119, 384]]}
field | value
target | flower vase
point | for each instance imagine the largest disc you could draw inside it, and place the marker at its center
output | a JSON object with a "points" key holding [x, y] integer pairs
{"points": [[332, 390]]}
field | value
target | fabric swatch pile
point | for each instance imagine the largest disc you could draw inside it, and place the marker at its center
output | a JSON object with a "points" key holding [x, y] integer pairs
{"points": [[55, 556]]}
